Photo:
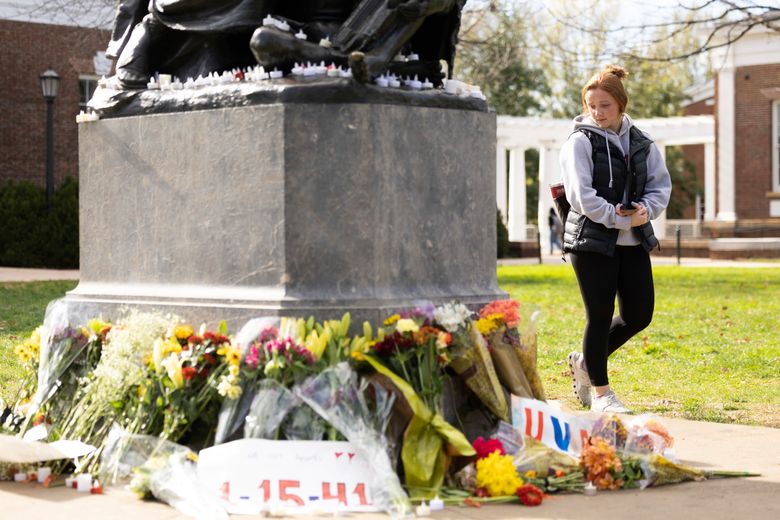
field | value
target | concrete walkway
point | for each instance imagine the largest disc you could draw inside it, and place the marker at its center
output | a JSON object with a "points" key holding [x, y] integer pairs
{"points": [[19, 274], [706, 445]]}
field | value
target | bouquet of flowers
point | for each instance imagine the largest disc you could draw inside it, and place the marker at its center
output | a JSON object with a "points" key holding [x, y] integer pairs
{"points": [[469, 357], [412, 352], [514, 352]]}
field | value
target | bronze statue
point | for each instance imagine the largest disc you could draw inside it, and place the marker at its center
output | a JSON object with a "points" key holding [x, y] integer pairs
{"points": [[187, 38]]}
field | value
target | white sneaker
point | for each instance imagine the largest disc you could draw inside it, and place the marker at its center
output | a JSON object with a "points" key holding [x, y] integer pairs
{"points": [[608, 402], [580, 379]]}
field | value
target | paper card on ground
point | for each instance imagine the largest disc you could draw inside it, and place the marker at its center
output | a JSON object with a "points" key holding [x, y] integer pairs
{"points": [[20, 451], [251, 475], [557, 429]]}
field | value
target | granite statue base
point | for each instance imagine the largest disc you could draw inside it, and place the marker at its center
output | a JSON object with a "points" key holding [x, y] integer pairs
{"points": [[287, 209]]}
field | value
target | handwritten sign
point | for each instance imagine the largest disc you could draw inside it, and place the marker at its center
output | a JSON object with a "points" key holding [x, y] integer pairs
{"points": [[251, 474], [555, 428]]}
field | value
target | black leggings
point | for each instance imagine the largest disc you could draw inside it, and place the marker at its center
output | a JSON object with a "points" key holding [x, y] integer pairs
{"points": [[629, 275]]}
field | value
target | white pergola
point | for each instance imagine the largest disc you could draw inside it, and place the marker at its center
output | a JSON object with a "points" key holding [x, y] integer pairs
{"points": [[517, 134]]}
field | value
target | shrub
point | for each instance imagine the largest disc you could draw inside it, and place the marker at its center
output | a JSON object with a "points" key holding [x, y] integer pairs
{"points": [[31, 235], [502, 236]]}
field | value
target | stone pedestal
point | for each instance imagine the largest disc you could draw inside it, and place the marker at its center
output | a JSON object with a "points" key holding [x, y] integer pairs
{"points": [[287, 209]]}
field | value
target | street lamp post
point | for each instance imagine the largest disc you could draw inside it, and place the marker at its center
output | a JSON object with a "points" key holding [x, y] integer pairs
{"points": [[50, 84]]}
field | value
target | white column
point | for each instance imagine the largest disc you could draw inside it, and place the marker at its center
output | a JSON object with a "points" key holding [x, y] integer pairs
{"points": [[659, 223], [517, 195], [726, 165], [501, 180], [549, 173], [709, 181]]}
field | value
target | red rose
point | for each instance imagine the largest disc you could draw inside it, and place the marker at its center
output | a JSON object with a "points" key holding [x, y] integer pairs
{"points": [[530, 495]]}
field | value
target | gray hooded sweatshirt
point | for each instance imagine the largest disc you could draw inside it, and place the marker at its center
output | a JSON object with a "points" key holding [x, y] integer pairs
{"points": [[577, 176]]}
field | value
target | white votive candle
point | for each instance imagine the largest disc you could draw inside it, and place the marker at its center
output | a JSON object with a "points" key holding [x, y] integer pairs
{"points": [[43, 474], [84, 483], [20, 477], [69, 481]]}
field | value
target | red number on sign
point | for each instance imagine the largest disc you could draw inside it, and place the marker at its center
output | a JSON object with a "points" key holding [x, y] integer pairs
{"points": [[360, 491], [341, 492], [284, 495], [266, 487]]}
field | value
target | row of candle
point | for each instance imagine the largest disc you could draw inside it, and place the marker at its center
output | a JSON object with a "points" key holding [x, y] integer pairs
{"points": [[85, 117], [82, 482], [436, 504], [392, 80]]}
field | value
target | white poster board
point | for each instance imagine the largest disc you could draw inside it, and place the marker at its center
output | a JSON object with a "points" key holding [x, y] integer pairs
{"points": [[555, 428], [252, 475]]}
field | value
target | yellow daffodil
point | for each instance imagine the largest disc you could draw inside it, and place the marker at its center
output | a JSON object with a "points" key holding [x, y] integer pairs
{"points": [[406, 325]]}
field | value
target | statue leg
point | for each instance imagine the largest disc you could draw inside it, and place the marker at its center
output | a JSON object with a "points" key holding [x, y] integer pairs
{"points": [[275, 48], [133, 68]]}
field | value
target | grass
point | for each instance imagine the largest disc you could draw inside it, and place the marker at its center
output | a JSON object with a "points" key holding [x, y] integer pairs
{"points": [[712, 352], [22, 309]]}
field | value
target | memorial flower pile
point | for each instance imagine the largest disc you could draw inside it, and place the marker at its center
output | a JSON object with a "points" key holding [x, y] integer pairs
{"points": [[148, 380]]}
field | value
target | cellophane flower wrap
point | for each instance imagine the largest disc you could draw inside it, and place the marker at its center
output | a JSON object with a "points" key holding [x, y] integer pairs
{"points": [[153, 467], [412, 352], [361, 412], [56, 357], [510, 330], [277, 355], [469, 357]]}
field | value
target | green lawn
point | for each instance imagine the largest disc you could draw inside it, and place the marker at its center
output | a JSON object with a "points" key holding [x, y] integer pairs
{"points": [[712, 352]]}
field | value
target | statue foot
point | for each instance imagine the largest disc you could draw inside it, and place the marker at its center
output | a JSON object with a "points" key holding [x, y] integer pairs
{"points": [[366, 66]]}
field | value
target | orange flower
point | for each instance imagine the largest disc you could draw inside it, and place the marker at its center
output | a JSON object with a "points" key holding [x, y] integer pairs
{"points": [[508, 309]]}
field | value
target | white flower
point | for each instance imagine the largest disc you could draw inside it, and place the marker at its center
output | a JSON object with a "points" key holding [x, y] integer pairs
{"points": [[228, 389], [452, 316]]}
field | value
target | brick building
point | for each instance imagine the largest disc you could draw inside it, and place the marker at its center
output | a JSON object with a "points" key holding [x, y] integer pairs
{"points": [[744, 98], [30, 45]]}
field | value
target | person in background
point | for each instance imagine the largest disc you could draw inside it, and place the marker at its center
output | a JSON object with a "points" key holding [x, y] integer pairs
{"points": [[556, 228], [616, 182]]}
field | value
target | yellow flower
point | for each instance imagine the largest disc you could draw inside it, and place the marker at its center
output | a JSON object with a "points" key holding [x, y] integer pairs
{"points": [[497, 474], [35, 338], [182, 331], [231, 354], [392, 319], [488, 324], [192, 456], [233, 370], [172, 365], [530, 474], [406, 325], [357, 355]]}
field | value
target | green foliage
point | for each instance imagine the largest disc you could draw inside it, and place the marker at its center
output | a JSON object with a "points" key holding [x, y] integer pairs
{"points": [[492, 53], [711, 352], [33, 236], [502, 236]]}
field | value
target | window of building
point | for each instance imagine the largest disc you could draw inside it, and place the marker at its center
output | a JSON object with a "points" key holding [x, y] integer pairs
{"points": [[776, 146], [87, 86]]}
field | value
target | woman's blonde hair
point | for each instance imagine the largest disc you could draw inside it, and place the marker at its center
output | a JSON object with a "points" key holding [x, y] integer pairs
{"points": [[610, 80]]}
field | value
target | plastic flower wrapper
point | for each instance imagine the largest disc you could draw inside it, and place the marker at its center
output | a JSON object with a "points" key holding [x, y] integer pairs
{"points": [[510, 330], [57, 346], [536, 456], [646, 434], [429, 440], [337, 396], [611, 428], [471, 360], [270, 405], [304, 424], [234, 411], [163, 469]]}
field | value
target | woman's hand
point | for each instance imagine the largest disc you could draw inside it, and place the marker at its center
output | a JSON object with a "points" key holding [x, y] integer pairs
{"points": [[640, 216], [623, 212]]}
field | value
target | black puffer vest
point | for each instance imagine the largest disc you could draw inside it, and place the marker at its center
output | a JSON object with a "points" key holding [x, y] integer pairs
{"points": [[582, 234]]}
